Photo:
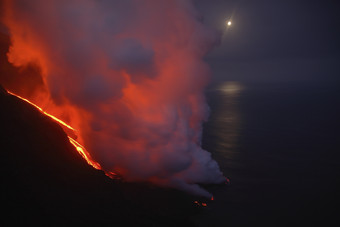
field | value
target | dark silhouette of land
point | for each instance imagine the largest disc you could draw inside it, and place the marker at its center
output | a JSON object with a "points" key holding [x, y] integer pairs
{"points": [[45, 181]]}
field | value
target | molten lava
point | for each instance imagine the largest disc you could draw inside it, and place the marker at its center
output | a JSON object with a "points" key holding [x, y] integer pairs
{"points": [[41, 110], [81, 149], [128, 76]]}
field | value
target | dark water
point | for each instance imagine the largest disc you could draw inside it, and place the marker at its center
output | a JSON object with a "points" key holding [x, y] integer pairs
{"points": [[279, 144]]}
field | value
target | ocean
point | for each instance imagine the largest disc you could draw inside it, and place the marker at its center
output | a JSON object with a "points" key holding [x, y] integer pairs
{"points": [[279, 145]]}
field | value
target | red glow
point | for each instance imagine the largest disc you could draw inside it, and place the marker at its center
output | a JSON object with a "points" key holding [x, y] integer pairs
{"points": [[200, 204], [41, 110], [81, 149], [128, 86]]}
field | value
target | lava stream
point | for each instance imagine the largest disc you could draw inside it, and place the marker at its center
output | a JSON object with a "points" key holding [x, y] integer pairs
{"points": [[41, 110], [81, 149]]}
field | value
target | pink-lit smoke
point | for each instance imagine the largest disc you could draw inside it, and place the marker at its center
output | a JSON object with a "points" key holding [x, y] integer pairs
{"points": [[129, 76]]}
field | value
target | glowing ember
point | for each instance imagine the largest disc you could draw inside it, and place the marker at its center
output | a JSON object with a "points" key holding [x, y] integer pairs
{"points": [[200, 204], [227, 181]]}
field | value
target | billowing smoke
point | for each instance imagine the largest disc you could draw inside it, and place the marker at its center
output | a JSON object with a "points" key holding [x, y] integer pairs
{"points": [[129, 76]]}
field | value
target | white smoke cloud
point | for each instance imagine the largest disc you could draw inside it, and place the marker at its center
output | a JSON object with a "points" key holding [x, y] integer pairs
{"points": [[133, 73]]}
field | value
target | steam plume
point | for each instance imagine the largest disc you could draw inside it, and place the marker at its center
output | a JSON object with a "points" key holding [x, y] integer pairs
{"points": [[129, 76]]}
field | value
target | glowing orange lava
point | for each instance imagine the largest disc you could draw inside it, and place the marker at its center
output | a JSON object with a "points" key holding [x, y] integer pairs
{"points": [[80, 148], [41, 110], [134, 97], [82, 151]]}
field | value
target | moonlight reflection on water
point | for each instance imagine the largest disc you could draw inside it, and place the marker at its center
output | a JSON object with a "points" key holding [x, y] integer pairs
{"points": [[227, 121]]}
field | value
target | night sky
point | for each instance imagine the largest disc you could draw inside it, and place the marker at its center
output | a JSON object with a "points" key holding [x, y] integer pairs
{"points": [[275, 41], [273, 126]]}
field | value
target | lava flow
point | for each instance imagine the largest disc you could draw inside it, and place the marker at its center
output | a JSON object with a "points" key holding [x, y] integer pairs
{"points": [[41, 110], [129, 77], [81, 149]]}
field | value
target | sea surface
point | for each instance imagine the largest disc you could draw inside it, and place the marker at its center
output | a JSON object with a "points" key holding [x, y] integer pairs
{"points": [[279, 145]]}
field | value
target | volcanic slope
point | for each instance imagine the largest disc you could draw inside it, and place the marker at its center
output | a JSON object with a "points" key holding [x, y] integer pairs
{"points": [[45, 180]]}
